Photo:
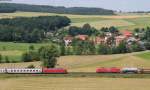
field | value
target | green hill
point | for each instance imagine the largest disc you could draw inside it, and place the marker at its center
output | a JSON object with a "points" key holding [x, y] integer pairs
{"points": [[12, 7]]}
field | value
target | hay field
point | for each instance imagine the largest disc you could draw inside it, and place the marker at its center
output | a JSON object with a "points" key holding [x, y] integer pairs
{"points": [[38, 83], [122, 21], [105, 23]]}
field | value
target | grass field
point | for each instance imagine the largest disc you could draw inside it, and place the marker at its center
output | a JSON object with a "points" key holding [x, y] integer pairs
{"points": [[38, 83], [15, 50], [144, 56], [122, 21]]}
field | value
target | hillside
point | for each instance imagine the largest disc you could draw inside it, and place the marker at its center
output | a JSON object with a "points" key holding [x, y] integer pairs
{"points": [[11, 7], [90, 63]]}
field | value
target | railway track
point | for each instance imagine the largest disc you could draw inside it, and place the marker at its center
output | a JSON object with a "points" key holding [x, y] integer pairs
{"points": [[78, 74]]}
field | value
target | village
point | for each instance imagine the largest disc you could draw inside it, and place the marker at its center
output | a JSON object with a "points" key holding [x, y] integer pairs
{"points": [[111, 38]]}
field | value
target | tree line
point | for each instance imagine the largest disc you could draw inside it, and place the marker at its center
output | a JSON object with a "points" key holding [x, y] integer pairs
{"points": [[11, 7], [32, 29]]}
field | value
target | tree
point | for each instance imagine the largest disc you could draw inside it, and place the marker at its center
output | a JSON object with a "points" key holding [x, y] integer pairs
{"points": [[1, 58], [103, 49], [147, 45], [113, 30], [31, 30], [48, 55], [31, 47], [7, 59], [30, 56], [122, 48], [31, 66], [83, 47], [63, 50], [86, 27], [26, 57], [147, 34]]}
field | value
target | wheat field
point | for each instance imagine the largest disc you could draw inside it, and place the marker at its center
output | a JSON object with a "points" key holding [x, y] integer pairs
{"points": [[47, 83]]}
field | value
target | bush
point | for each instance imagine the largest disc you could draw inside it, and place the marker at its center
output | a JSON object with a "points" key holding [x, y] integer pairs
{"points": [[26, 57], [31, 66], [31, 47], [48, 55], [147, 45], [7, 59], [1, 58], [30, 56]]}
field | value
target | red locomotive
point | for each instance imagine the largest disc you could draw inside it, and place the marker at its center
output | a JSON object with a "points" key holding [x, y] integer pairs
{"points": [[108, 70], [54, 71]]}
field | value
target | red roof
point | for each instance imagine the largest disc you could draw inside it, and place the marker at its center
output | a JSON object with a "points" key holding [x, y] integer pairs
{"points": [[127, 33], [82, 37]]}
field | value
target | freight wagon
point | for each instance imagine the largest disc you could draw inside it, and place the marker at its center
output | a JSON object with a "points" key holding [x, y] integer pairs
{"points": [[121, 70]]}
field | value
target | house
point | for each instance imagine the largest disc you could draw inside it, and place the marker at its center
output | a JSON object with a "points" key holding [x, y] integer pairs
{"points": [[127, 33], [119, 39], [130, 40], [68, 40], [82, 37], [99, 40]]}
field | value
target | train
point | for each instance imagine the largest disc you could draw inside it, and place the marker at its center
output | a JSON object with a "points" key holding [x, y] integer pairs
{"points": [[116, 70], [34, 71], [124, 70]]}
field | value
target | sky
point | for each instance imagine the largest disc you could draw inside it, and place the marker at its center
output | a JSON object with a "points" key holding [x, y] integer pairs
{"points": [[124, 5]]}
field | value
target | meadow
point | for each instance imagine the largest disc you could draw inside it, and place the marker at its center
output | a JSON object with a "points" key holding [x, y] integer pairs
{"points": [[14, 50], [121, 21]]}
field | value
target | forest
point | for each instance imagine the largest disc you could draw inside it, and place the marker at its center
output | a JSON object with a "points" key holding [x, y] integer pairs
{"points": [[12, 7], [32, 29]]}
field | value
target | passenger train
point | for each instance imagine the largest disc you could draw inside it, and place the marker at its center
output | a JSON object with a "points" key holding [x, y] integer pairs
{"points": [[64, 71], [34, 71]]}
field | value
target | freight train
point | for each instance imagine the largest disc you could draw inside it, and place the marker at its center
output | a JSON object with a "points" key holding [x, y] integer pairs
{"points": [[64, 71], [122, 70]]}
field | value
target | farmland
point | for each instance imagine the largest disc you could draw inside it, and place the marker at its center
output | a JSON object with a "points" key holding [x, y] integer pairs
{"points": [[122, 21], [77, 64], [38, 83]]}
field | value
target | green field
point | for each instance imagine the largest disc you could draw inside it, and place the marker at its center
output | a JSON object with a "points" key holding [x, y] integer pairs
{"points": [[121, 21], [144, 56], [15, 50]]}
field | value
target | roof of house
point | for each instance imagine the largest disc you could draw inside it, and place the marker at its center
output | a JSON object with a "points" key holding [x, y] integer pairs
{"points": [[127, 33], [82, 37], [68, 38]]}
